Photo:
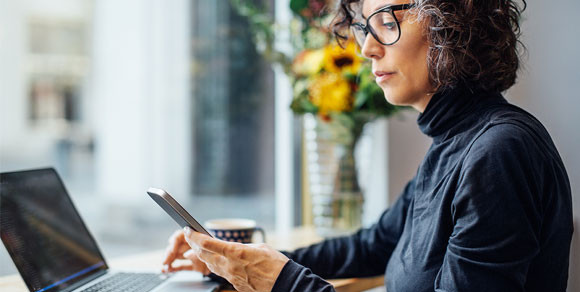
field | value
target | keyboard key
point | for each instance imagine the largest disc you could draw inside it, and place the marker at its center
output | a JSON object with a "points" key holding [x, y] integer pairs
{"points": [[128, 282]]}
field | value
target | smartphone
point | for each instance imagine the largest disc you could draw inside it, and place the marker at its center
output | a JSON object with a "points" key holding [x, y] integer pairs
{"points": [[175, 210]]}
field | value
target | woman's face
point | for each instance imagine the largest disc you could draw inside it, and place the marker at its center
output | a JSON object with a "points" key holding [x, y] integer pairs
{"points": [[400, 69]]}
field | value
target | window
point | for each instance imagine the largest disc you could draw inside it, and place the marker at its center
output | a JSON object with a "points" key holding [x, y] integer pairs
{"points": [[121, 96]]}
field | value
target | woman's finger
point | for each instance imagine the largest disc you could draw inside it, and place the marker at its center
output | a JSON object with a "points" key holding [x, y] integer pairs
{"points": [[214, 262], [181, 250], [172, 254], [172, 251], [207, 243], [210, 258], [197, 264], [169, 255], [172, 269]]}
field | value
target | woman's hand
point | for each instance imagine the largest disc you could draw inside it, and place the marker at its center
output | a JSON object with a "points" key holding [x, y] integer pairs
{"points": [[179, 249], [248, 267]]}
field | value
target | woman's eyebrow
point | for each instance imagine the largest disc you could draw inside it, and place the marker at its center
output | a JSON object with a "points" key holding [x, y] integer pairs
{"points": [[382, 7]]}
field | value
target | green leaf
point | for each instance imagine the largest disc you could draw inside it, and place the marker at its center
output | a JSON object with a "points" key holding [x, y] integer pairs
{"points": [[298, 5], [308, 106], [302, 105], [350, 77], [360, 99]]}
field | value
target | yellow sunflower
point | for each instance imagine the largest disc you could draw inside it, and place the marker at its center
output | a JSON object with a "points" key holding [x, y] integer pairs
{"points": [[339, 60], [330, 92]]}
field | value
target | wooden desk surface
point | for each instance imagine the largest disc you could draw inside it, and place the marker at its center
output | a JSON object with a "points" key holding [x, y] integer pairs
{"points": [[152, 260]]}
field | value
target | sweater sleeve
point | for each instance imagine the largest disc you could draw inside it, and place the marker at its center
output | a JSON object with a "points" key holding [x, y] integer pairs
{"points": [[362, 254], [496, 214], [295, 277]]}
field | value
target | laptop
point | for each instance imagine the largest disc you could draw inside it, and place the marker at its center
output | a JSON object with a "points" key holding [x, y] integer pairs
{"points": [[54, 251]]}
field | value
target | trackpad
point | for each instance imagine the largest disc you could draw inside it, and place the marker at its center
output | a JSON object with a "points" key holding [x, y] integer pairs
{"points": [[190, 282]]}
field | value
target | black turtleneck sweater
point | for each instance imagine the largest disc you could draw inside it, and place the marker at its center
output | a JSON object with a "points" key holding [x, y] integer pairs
{"points": [[488, 210]]}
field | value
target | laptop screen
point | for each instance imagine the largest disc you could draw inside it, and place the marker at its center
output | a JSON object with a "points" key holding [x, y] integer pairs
{"points": [[43, 232]]}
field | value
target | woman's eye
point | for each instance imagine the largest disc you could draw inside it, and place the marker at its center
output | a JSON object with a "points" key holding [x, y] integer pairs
{"points": [[390, 25]]}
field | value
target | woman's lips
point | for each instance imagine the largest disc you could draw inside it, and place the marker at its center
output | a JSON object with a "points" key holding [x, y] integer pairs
{"points": [[382, 76]]}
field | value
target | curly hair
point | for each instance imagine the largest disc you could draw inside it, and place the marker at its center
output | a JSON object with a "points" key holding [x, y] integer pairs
{"points": [[470, 42]]}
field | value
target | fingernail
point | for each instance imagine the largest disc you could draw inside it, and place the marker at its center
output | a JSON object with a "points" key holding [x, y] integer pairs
{"points": [[186, 230]]}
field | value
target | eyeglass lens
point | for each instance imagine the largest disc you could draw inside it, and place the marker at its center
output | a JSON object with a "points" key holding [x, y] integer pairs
{"points": [[385, 27], [359, 34], [382, 26]]}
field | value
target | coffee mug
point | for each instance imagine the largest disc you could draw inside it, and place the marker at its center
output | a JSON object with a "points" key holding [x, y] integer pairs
{"points": [[235, 229]]}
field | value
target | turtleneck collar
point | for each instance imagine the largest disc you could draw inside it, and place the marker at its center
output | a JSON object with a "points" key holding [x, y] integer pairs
{"points": [[451, 107]]}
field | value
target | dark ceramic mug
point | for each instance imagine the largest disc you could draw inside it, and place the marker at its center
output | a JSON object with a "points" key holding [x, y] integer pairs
{"points": [[234, 229]]}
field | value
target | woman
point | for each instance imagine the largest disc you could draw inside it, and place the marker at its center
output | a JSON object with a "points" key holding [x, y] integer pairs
{"points": [[489, 208]]}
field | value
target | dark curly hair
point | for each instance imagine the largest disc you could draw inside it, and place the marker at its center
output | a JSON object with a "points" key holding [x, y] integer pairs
{"points": [[470, 42]]}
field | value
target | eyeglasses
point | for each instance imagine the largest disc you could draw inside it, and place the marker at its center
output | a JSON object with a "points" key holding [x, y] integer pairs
{"points": [[382, 24]]}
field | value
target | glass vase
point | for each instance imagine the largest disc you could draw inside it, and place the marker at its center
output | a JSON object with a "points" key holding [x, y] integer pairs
{"points": [[335, 194]]}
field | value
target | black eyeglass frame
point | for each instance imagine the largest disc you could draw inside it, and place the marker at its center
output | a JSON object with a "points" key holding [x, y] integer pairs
{"points": [[389, 8]]}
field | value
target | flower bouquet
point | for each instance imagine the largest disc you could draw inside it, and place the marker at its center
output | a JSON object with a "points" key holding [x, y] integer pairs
{"points": [[330, 80]]}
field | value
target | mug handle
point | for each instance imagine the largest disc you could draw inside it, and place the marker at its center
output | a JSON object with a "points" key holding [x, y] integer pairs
{"points": [[262, 232]]}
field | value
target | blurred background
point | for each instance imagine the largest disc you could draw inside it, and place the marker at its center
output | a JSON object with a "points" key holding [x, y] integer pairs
{"points": [[119, 96]]}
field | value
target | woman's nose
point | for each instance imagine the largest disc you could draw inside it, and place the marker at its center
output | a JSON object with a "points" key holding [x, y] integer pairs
{"points": [[372, 49]]}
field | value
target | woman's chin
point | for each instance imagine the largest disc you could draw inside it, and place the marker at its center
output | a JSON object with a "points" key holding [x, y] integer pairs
{"points": [[392, 99]]}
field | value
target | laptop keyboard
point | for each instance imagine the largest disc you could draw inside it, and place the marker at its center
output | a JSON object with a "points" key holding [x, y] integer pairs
{"points": [[128, 282]]}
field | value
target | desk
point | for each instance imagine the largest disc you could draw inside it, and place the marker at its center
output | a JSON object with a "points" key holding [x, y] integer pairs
{"points": [[297, 238]]}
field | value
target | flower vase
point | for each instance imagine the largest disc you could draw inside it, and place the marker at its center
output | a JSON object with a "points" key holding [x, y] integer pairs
{"points": [[335, 194]]}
